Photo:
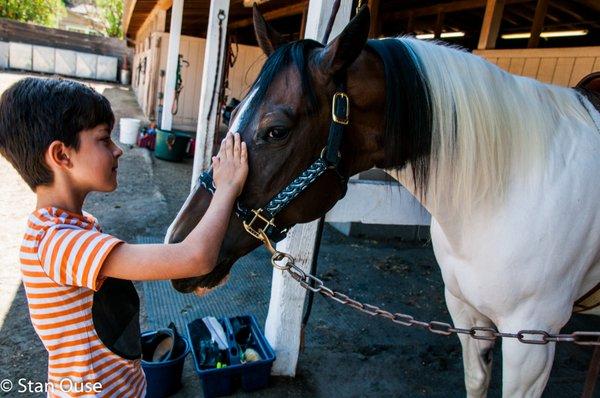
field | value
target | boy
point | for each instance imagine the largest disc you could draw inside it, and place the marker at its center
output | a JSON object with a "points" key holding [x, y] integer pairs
{"points": [[56, 133]]}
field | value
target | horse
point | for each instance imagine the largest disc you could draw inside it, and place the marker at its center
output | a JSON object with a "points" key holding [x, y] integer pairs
{"points": [[506, 165]]}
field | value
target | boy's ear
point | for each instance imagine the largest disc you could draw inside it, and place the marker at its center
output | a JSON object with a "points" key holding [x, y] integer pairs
{"points": [[57, 154]]}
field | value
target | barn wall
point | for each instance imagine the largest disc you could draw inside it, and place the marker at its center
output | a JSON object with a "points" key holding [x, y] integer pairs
{"points": [[560, 66], [147, 83]]}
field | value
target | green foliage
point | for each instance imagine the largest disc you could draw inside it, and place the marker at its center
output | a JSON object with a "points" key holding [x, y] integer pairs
{"points": [[111, 14], [42, 12]]}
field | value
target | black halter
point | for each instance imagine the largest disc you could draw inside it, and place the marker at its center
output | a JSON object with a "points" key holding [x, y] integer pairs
{"points": [[263, 219]]}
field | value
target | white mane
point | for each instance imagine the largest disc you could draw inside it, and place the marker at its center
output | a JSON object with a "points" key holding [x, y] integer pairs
{"points": [[486, 123]]}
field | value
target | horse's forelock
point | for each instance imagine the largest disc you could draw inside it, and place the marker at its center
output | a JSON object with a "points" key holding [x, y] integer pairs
{"points": [[293, 54]]}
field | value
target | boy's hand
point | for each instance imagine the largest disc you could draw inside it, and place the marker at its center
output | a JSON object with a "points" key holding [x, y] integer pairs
{"points": [[230, 166]]}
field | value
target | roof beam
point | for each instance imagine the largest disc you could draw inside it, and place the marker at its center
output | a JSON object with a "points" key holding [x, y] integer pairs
{"points": [[491, 24], [129, 8], [156, 11], [538, 23], [294, 9], [437, 31], [164, 4], [446, 8], [375, 28], [593, 4], [127, 13], [567, 10]]}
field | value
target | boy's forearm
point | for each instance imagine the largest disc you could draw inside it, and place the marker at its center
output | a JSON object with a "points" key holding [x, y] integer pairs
{"points": [[196, 255], [204, 242]]}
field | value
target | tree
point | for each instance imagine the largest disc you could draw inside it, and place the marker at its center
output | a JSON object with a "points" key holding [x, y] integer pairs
{"points": [[111, 14], [42, 12]]}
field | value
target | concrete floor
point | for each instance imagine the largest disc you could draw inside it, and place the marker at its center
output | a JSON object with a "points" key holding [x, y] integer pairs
{"points": [[346, 354]]}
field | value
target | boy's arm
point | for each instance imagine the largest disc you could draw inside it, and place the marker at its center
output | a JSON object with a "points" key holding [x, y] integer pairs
{"points": [[195, 256]]}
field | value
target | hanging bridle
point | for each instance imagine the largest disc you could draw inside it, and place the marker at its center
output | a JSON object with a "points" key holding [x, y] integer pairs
{"points": [[261, 222]]}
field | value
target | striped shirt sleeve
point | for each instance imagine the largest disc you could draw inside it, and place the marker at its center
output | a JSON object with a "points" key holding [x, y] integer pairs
{"points": [[73, 257]]}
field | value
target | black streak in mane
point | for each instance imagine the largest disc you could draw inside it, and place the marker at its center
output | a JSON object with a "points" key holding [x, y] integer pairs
{"points": [[407, 135], [296, 54]]}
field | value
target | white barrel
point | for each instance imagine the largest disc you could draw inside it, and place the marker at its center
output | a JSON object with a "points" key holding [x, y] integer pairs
{"points": [[129, 129]]}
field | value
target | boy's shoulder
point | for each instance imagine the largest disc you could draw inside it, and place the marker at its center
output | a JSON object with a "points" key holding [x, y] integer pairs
{"points": [[70, 248], [47, 217]]}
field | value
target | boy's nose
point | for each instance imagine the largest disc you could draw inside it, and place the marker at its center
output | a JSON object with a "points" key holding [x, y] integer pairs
{"points": [[118, 151]]}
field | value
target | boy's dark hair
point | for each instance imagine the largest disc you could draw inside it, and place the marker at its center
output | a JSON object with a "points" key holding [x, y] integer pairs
{"points": [[35, 112]]}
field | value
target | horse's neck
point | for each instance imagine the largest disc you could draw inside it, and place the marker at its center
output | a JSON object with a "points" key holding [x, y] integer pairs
{"points": [[450, 221], [568, 175]]}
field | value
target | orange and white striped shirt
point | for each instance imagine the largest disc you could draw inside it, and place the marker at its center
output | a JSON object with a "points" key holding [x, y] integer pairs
{"points": [[61, 256]]}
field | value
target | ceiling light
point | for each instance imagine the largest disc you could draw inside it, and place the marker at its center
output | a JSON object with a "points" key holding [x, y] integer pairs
{"points": [[444, 35], [564, 33]]}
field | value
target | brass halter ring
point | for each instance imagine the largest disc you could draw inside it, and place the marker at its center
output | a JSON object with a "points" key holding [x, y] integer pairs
{"points": [[276, 255]]}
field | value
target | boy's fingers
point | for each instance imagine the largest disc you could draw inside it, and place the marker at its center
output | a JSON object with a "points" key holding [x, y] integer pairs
{"points": [[236, 146], [223, 148], [244, 152], [229, 145]]}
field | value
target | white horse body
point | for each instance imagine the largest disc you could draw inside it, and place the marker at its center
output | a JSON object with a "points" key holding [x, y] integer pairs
{"points": [[514, 197], [520, 262]]}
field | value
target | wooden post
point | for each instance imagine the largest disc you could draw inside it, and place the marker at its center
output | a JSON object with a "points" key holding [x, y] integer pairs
{"points": [[439, 23], [538, 23], [172, 59], [284, 319], [319, 12], [128, 7], [154, 71], [214, 59], [592, 375], [410, 24], [303, 23], [375, 27], [491, 24]]}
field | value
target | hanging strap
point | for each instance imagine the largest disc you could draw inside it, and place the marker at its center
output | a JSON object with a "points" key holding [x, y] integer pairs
{"points": [[340, 117]]}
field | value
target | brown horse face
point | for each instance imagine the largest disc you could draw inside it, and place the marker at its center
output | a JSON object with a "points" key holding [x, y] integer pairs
{"points": [[284, 121]]}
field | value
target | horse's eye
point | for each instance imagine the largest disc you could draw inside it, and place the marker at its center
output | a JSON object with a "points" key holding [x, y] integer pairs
{"points": [[277, 133]]}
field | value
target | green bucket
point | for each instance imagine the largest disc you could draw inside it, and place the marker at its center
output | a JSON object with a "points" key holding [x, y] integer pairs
{"points": [[171, 145]]}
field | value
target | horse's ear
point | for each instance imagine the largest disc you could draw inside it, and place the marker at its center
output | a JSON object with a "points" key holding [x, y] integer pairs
{"points": [[344, 49], [268, 38]]}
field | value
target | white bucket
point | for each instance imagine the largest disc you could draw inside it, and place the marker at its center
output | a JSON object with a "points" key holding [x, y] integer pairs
{"points": [[129, 129]]}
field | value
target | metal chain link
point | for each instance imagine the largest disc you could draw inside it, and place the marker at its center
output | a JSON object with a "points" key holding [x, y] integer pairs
{"points": [[286, 262]]}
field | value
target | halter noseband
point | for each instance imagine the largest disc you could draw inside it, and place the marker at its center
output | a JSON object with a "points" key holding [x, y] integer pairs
{"points": [[259, 222]]}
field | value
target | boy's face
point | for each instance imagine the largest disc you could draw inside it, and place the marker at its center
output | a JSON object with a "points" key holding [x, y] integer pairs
{"points": [[95, 162]]}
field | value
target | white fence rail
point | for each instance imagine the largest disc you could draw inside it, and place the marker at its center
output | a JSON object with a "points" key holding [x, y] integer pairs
{"points": [[23, 56]]}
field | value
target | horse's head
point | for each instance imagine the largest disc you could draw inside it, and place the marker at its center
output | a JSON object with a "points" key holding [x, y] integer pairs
{"points": [[285, 121]]}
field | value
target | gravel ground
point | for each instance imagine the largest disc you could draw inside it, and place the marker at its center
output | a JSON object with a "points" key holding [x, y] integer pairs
{"points": [[346, 353]]}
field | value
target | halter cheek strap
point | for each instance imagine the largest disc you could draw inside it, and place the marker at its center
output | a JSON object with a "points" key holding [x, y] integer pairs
{"points": [[262, 220]]}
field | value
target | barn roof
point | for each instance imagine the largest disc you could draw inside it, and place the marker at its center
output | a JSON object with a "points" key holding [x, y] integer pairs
{"points": [[395, 17]]}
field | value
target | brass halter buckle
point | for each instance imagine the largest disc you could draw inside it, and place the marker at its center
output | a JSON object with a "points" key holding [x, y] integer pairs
{"points": [[258, 233], [341, 119]]}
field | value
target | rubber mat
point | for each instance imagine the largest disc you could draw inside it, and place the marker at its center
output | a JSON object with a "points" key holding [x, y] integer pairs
{"points": [[247, 291]]}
